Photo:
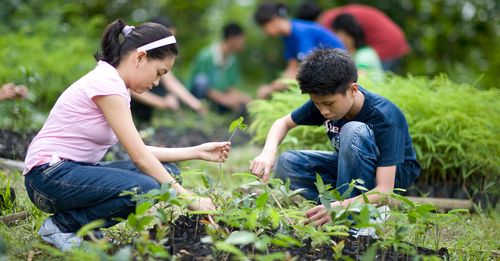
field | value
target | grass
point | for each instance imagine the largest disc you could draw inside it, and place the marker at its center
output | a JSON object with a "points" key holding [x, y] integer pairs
{"points": [[472, 237]]}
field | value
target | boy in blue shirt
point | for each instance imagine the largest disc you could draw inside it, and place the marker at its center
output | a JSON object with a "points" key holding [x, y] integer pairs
{"points": [[299, 37], [368, 132]]}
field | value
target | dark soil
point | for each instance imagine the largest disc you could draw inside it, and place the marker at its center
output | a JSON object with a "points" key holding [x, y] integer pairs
{"points": [[14, 145], [186, 233]]}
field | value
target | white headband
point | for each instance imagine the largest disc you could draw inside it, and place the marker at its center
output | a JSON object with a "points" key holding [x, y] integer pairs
{"points": [[158, 43]]}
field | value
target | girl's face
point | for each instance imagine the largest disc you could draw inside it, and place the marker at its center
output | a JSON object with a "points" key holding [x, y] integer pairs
{"points": [[272, 28], [147, 72]]}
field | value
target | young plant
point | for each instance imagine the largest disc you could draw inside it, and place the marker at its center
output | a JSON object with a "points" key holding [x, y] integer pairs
{"points": [[235, 125]]}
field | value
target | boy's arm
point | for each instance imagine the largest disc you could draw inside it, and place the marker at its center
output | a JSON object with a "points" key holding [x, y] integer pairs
{"points": [[263, 163]]}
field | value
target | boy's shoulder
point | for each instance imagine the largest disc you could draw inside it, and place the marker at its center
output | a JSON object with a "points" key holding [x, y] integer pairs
{"points": [[383, 107]]}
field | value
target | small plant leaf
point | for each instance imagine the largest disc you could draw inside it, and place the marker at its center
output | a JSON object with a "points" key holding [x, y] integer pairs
{"points": [[241, 238], [237, 124]]}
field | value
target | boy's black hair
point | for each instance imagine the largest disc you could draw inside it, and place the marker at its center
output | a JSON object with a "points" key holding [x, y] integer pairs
{"points": [[349, 24], [266, 11], [113, 50], [232, 29], [327, 71], [308, 11]]}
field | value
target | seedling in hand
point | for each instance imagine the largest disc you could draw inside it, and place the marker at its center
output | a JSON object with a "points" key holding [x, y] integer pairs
{"points": [[233, 127]]}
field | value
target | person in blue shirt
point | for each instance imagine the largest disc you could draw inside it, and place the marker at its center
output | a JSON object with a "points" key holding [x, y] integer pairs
{"points": [[368, 132], [299, 37]]}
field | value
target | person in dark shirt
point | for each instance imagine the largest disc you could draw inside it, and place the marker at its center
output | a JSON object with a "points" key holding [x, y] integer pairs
{"points": [[368, 132]]}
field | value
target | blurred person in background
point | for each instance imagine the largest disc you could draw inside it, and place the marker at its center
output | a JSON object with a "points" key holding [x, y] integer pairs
{"points": [[299, 37], [350, 32], [381, 33], [215, 73], [10, 91]]}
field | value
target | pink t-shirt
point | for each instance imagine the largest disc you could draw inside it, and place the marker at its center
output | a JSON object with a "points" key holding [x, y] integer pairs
{"points": [[76, 128]]}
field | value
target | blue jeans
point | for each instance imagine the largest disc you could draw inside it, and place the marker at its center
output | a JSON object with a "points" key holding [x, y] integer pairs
{"points": [[78, 193], [356, 159]]}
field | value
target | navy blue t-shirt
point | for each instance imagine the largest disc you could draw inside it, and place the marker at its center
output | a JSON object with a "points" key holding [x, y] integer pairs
{"points": [[305, 37], [383, 117]]}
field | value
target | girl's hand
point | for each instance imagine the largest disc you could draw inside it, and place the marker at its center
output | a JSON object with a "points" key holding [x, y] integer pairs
{"points": [[213, 151]]}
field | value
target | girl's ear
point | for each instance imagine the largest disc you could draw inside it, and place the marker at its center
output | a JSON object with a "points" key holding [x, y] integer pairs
{"points": [[140, 57]]}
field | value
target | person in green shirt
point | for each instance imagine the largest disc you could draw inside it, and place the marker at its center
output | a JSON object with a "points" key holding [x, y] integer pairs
{"points": [[216, 73], [351, 34]]}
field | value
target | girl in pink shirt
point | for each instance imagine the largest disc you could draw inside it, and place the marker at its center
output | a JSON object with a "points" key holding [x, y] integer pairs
{"points": [[63, 173]]}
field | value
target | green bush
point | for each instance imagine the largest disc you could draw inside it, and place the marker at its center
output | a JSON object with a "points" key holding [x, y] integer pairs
{"points": [[454, 127], [45, 61]]}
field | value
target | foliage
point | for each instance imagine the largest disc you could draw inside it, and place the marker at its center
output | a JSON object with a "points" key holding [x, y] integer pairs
{"points": [[454, 127]]}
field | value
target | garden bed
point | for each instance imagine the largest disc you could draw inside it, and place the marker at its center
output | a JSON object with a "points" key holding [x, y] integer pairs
{"points": [[186, 242]]}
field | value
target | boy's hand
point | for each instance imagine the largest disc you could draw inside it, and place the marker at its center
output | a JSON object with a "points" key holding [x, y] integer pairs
{"points": [[319, 215], [262, 164], [202, 204]]}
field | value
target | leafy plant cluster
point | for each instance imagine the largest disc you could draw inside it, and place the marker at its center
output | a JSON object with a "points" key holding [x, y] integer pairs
{"points": [[454, 127], [261, 225]]}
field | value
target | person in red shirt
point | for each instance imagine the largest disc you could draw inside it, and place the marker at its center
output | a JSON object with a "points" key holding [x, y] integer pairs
{"points": [[381, 33]]}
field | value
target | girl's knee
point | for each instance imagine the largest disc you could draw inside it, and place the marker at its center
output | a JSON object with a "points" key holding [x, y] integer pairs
{"points": [[172, 169]]}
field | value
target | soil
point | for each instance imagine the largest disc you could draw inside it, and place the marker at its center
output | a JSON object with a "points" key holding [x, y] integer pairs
{"points": [[186, 234], [14, 145]]}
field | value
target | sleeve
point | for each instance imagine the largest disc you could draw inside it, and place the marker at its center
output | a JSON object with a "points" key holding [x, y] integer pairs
{"points": [[290, 52], [391, 145], [106, 86], [307, 114]]}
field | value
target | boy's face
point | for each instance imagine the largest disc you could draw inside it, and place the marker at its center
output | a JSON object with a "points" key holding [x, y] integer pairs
{"points": [[334, 106]]}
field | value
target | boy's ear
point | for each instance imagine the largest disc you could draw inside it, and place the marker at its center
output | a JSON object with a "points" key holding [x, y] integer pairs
{"points": [[353, 88]]}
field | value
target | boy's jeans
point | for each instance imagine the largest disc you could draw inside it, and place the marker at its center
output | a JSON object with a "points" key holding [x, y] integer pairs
{"points": [[78, 193], [356, 159]]}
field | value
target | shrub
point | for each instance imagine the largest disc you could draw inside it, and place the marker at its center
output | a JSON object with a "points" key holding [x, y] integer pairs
{"points": [[454, 127]]}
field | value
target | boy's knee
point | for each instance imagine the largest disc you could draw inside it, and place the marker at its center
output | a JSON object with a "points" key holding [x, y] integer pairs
{"points": [[284, 161], [355, 128]]}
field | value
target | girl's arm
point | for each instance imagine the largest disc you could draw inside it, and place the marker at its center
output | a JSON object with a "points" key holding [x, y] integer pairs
{"points": [[119, 117]]}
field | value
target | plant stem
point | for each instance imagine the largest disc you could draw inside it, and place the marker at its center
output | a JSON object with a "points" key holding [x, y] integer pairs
{"points": [[281, 208], [230, 137]]}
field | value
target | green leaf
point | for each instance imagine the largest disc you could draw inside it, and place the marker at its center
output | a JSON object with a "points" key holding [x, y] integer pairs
{"points": [[237, 124], [241, 238], [261, 201], [225, 247], [89, 227], [143, 207]]}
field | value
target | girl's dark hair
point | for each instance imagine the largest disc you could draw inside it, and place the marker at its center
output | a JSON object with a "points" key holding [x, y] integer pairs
{"points": [[349, 24], [113, 49], [327, 71], [266, 11]]}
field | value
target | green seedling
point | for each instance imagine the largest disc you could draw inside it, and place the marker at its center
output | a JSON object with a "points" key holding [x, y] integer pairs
{"points": [[235, 125]]}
